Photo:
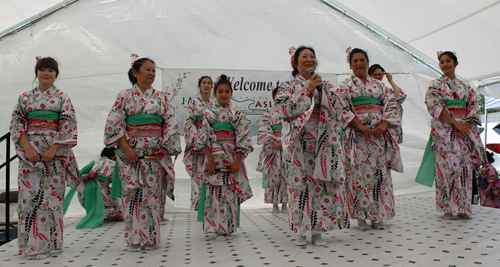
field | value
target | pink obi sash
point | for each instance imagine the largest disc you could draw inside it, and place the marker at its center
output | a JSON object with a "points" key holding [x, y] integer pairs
{"points": [[37, 125], [151, 130]]}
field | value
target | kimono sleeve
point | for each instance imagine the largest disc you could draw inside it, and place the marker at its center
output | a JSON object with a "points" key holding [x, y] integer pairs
{"points": [[68, 130], [402, 97], [171, 142], [472, 107], [243, 137], [433, 100], [115, 123], [265, 133], [291, 103], [346, 113], [391, 111], [205, 135], [18, 121], [189, 124]]}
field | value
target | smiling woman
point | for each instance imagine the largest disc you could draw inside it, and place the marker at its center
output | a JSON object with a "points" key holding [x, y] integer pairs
{"points": [[225, 136], [142, 123], [369, 120], [454, 141], [44, 126], [311, 147]]}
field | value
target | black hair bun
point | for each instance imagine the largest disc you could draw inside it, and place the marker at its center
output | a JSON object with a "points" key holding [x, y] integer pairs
{"points": [[223, 77]]}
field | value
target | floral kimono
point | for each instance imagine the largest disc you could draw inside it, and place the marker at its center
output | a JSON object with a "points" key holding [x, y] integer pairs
{"points": [[454, 156], [369, 162], [113, 207], [193, 159], [225, 190], [271, 162], [489, 175], [314, 157], [42, 184], [148, 123]]}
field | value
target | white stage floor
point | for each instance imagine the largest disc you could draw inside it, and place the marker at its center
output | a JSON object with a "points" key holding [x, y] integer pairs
{"points": [[417, 236]]}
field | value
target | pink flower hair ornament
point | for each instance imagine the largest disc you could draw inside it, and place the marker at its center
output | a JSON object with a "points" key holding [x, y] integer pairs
{"points": [[291, 52], [348, 52], [134, 57]]}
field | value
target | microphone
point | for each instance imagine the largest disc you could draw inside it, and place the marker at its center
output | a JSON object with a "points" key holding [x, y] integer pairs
{"points": [[311, 71]]}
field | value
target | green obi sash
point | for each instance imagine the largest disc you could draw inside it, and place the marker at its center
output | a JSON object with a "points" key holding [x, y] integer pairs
{"points": [[365, 100], [427, 171], [201, 205], [94, 203], [455, 103], [142, 119], [277, 127], [44, 115], [222, 126], [199, 118]]}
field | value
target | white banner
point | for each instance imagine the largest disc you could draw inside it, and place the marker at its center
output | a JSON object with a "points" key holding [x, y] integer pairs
{"points": [[252, 90]]}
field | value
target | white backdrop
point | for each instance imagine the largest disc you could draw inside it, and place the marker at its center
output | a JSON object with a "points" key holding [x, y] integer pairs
{"points": [[93, 40]]}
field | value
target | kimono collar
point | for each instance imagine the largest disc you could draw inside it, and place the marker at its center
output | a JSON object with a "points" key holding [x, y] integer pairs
{"points": [[136, 90], [50, 91], [357, 81], [216, 104], [210, 100], [446, 79], [301, 80]]}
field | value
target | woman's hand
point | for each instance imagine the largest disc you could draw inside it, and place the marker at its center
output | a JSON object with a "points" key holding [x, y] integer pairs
{"points": [[488, 193], [31, 155], [210, 169], [366, 131], [314, 82], [236, 166], [389, 77], [130, 155], [380, 129], [463, 129], [276, 145], [49, 154]]}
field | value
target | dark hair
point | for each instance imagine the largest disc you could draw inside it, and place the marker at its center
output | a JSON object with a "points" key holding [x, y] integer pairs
{"points": [[296, 58], [108, 152], [450, 54], [47, 62], [489, 156], [275, 91], [222, 80], [355, 51], [374, 67], [203, 77], [137, 66]]}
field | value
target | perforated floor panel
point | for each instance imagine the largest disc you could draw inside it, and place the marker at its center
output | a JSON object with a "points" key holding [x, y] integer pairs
{"points": [[417, 236]]}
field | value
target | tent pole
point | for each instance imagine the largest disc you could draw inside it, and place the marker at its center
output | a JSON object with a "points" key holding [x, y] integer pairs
{"points": [[485, 127]]}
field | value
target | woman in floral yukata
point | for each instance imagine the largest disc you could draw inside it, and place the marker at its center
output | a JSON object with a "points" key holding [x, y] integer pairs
{"points": [[142, 124], [225, 136], [312, 150], [271, 162], [96, 198], [369, 120], [377, 72], [454, 138], [44, 130], [194, 159]]}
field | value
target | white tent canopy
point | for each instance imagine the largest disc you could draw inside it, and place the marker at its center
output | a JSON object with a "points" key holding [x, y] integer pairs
{"points": [[468, 27], [93, 40]]}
